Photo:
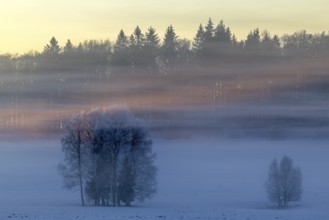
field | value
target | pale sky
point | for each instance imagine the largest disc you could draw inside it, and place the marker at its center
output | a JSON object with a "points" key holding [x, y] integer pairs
{"points": [[29, 24]]}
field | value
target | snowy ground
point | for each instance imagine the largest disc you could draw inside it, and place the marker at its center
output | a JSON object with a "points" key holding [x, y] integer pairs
{"points": [[203, 178]]}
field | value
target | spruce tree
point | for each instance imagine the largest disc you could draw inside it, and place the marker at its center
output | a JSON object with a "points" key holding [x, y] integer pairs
{"points": [[169, 47], [151, 48], [139, 37], [199, 40], [152, 38], [120, 54], [222, 34], [52, 48], [68, 46], [136, 48], [253, 43], [209, 31], [222, 39], [122, 41]]}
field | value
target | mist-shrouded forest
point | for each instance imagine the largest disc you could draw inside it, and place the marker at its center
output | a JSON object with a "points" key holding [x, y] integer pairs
{"points": [[212, 127], [264, 85]]}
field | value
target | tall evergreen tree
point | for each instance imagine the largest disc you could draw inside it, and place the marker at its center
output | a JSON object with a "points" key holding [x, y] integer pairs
{"points": [[222, 39], [52, 48], [120, 54], [136, 47], [80, 48], [152, 38], [68, 46], [132, 41], [253, 43], [122, 41], [50, 59], [151, 48], [269, 45], [199, 40], [139, 37], [209, 51], [209, 31], [169, 46], [235, 42], [222, 34]]}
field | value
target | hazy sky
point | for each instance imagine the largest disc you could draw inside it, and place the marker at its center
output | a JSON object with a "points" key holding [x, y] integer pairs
{"points": [[29, 24]]}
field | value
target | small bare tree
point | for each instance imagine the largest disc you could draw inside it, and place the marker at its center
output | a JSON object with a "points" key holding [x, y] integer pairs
{"points": [[284, 182], [72, 168]]}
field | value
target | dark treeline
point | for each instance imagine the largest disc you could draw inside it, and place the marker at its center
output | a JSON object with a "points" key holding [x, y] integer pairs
{"points": [[212, 43]]}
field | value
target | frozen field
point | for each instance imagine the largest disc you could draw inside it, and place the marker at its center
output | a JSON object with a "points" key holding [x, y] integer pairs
{"points": [[197, 179]]}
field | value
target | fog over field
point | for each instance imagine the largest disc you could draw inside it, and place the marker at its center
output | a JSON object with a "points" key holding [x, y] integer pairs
{"points": [[160, 126], [197, 179], [276, 99]]}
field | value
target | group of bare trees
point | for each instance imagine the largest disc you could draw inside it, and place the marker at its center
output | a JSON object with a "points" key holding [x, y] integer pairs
{"points": [[108, 156]]}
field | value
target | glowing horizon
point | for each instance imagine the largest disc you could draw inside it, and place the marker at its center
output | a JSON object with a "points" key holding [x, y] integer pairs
{"points": [[29, 25]]}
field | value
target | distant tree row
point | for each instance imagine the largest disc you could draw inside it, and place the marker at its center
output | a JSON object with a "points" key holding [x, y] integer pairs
{"points": [[211, 43], [108, 156]]}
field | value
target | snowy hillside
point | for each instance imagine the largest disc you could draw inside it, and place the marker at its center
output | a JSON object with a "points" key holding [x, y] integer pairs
{"points": [[197, 179]]}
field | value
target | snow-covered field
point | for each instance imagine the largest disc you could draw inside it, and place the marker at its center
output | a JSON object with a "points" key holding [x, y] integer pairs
{"points": [[201, 178]]}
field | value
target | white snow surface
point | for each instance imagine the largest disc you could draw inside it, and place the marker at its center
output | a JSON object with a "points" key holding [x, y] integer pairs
{"points": [[200, 178]]}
